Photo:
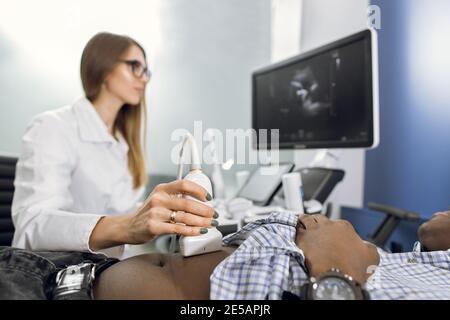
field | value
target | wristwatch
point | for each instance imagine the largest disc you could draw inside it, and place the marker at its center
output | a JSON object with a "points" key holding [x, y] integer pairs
{"points": [[333, 285]]}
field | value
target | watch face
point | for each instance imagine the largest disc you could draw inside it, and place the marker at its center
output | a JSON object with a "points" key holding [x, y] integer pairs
{"points": [[332, 288]]}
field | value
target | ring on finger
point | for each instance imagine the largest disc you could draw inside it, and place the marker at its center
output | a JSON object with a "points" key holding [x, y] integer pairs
{"points": [[173, 217]]}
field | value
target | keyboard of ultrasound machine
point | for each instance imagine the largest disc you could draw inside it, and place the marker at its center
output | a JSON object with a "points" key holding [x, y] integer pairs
{"points": [[257, 210], [230, 224], [244, 211]]}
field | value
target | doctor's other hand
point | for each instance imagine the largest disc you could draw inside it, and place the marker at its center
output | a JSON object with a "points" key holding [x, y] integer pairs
{"points": [[163, 212]]}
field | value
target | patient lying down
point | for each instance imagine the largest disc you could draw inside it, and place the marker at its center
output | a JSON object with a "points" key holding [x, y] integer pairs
{"points": [[160, 276], [277, 254]]}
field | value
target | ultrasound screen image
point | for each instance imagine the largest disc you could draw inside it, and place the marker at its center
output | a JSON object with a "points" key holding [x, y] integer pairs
{"points": [[323, 99]]}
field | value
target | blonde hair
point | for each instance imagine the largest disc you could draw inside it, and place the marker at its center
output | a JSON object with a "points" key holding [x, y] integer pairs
{"points": [[99, 57]]}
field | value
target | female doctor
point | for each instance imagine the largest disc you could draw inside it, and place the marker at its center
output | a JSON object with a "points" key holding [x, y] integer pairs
{"points": [[81, 172]]}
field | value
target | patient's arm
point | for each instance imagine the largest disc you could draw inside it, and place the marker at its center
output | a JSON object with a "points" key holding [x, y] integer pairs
{"points": [[159, 276]]}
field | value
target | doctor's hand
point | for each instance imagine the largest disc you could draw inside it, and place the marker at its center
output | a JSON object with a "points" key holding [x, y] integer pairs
{"points": [[163, 212]]}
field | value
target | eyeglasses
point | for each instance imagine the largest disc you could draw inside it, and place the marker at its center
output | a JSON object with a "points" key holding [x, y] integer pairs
{"points": [[138, 69]]}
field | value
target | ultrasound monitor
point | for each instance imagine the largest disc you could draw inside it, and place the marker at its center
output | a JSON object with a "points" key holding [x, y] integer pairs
{"points": [[324, 98]]}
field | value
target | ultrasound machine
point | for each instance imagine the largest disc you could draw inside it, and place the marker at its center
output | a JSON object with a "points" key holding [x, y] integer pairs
{"points": [[324, 99]]}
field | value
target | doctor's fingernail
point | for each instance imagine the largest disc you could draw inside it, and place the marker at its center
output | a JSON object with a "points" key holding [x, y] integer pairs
{"points": [[203, 230], [214, 223], [208, 197], [216, 215]]}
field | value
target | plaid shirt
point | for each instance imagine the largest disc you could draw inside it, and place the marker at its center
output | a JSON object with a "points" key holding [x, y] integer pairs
{"points": [[411, 275], [268, 262]]}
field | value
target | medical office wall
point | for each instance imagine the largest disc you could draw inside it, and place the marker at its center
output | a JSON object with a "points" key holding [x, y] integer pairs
{"points": [[411, 167]]}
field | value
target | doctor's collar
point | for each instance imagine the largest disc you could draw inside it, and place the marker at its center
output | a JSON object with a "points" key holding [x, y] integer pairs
{"points": [[91, 126]]}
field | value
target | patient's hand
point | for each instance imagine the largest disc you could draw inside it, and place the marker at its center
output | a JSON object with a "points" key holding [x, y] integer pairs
{"points": [[334, 244], [435, 234]]}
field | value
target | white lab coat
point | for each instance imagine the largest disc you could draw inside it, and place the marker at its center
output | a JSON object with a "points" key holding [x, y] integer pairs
{"points": [[70, 173]]}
